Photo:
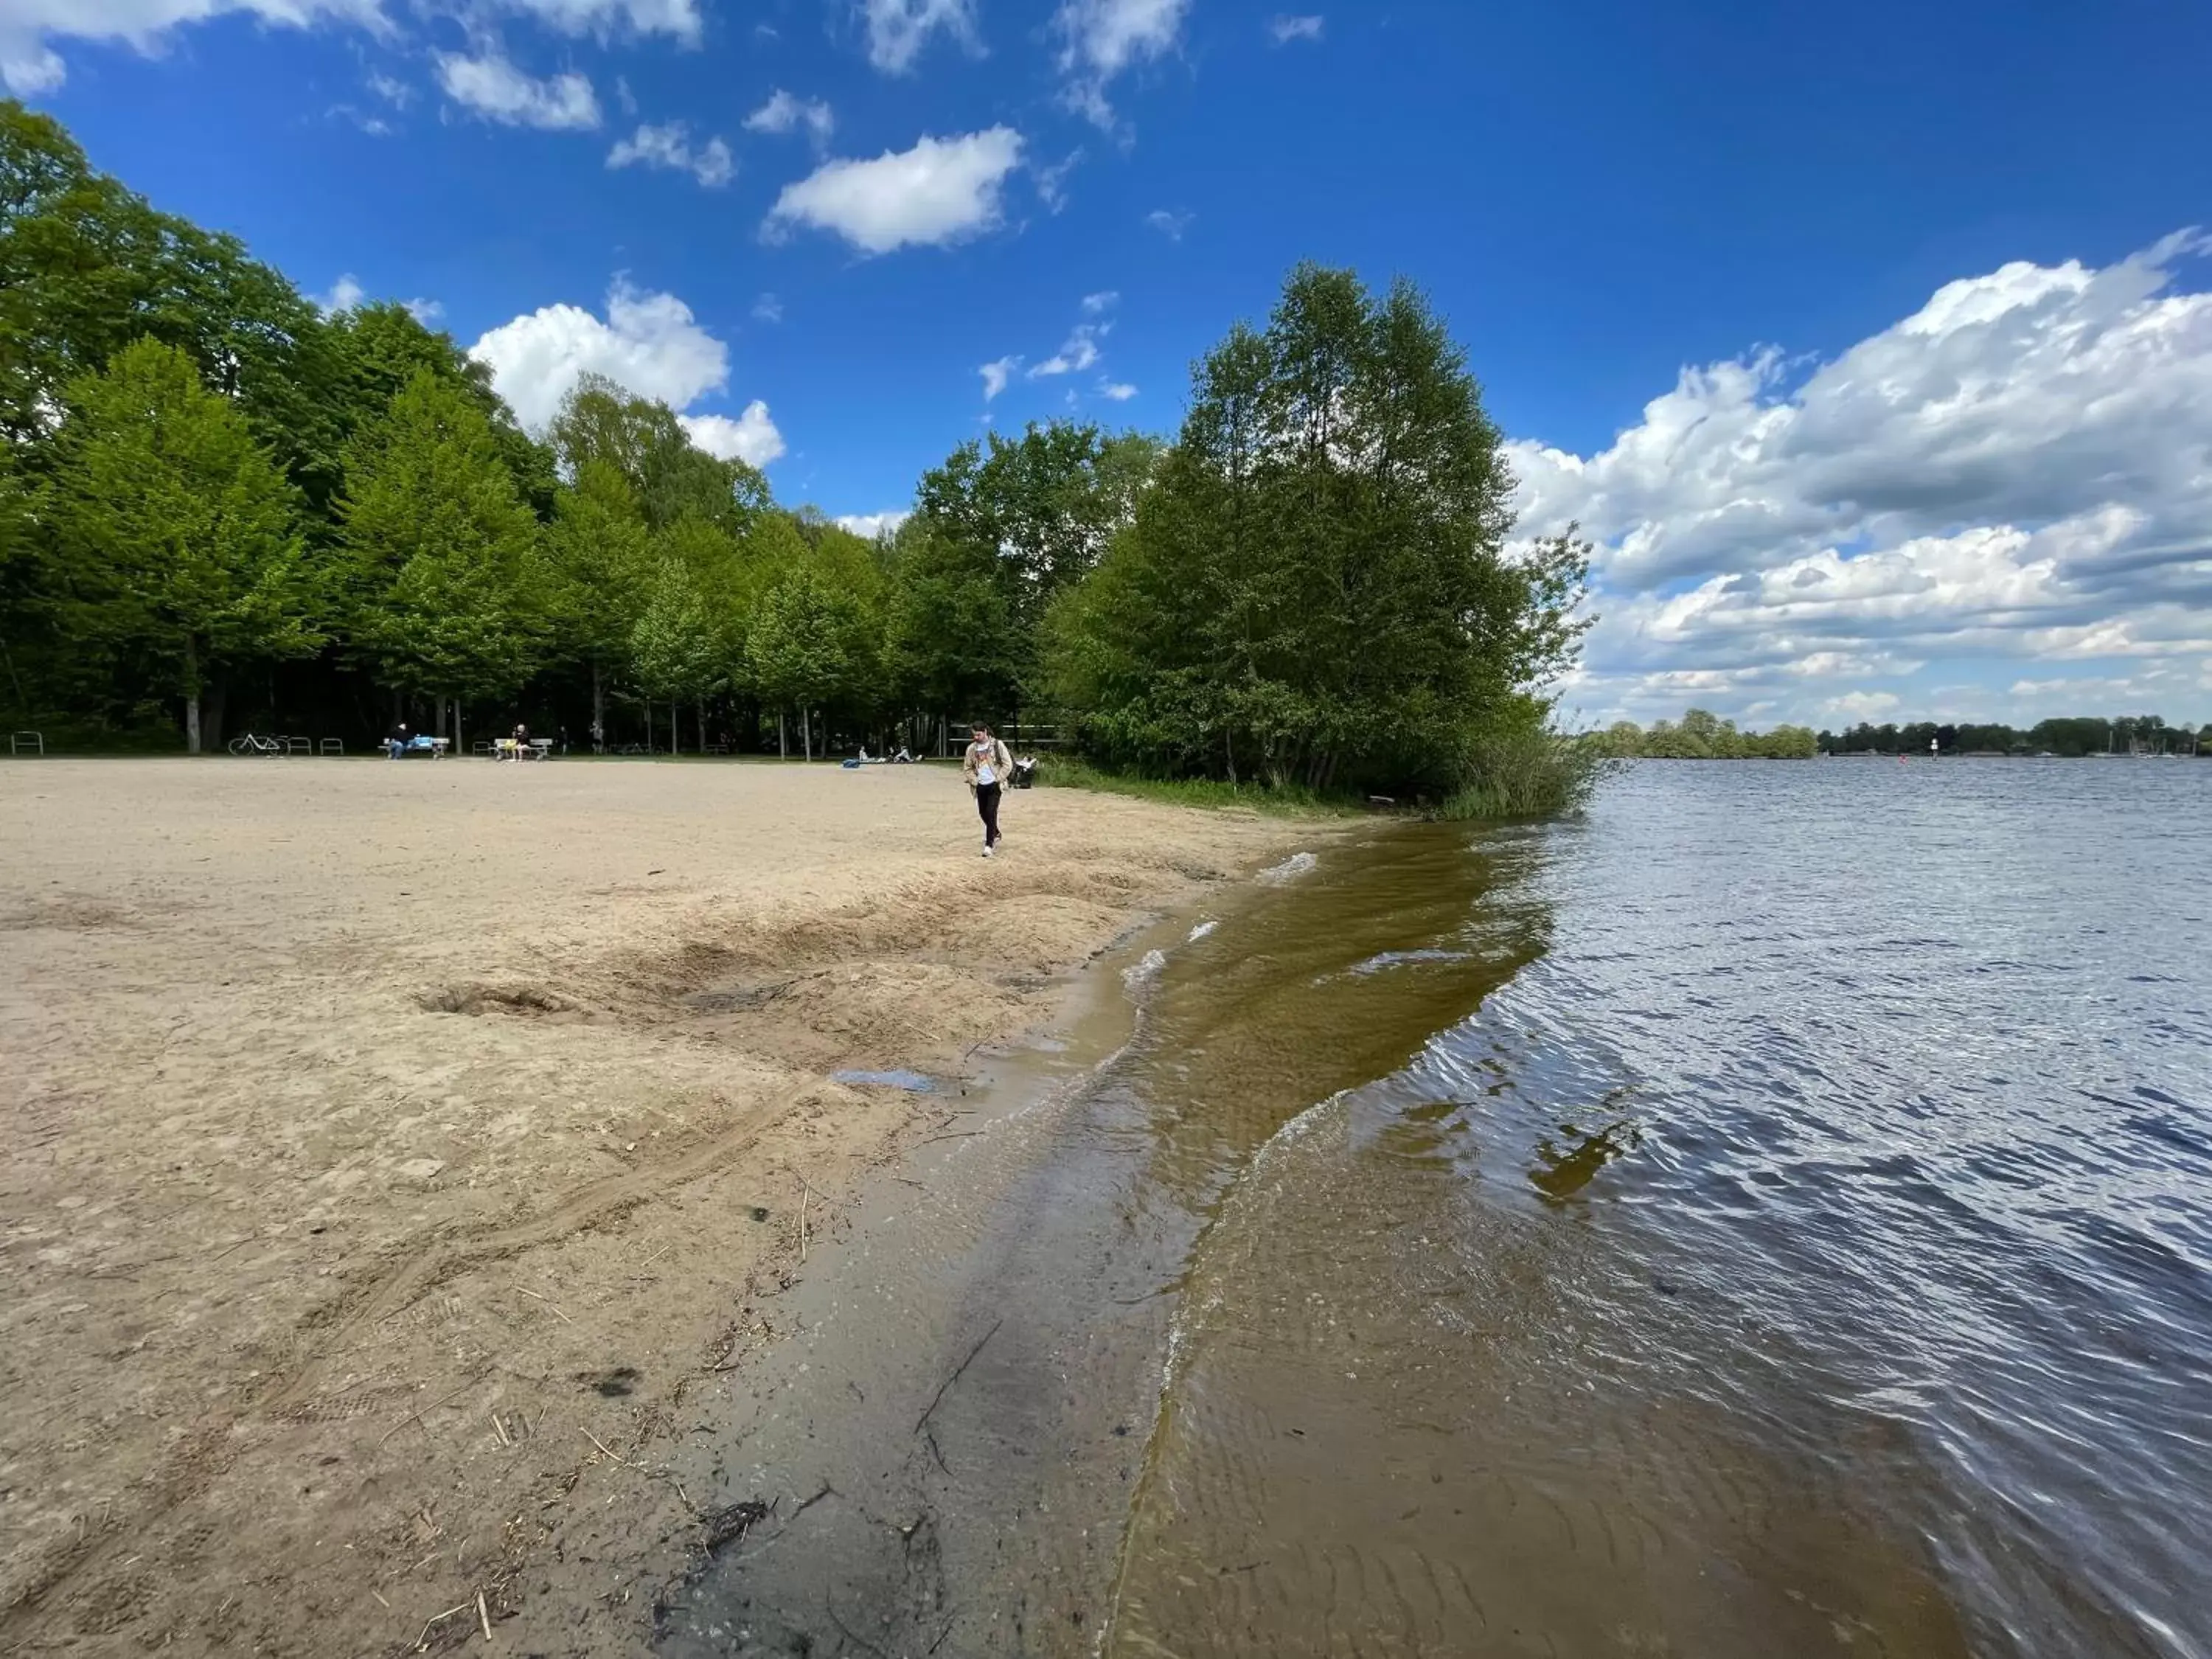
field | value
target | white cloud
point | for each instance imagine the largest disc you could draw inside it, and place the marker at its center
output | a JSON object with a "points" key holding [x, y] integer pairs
{"points": [[669, 147], [394, 92], [2019, 473], [495, 89], [1169, 225], [785, 113], [1102, 37], [1118, 391], [1283, 29], [872, 525], [425, 311], [1078, 352], [29, 65], [751, 438], [648, 343], [1052, 181], [899, 29], [345, 294], [1096, 304], [996, 374], [942, 190], [768, 309]]}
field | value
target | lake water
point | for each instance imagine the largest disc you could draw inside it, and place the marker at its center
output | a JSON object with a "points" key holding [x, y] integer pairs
{"points": [[1765, 1216]]}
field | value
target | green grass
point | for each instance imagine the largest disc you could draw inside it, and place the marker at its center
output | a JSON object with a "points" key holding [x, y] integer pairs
{"points": [[1067, 772]]}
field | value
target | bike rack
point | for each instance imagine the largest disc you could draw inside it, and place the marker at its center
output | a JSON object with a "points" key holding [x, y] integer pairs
{"points": [[299, 746], [20, 741], [334, 745]]}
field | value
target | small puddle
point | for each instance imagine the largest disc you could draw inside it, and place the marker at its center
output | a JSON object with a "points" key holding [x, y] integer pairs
{"points": [[912, 1082]]}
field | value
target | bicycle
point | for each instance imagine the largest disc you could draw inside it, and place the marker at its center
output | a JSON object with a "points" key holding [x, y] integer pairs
{"points": [[246, 743]]}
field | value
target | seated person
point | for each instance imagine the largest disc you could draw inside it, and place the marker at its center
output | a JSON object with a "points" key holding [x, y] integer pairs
{"points": [[399, 741], [904, 758], [1024, 771]]}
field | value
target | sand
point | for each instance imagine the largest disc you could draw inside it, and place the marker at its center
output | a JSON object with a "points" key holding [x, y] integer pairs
{"points": [[404, 1159]]}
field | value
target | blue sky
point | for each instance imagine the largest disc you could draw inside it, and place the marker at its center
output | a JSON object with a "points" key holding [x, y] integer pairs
{"points": [[1867, 340]]}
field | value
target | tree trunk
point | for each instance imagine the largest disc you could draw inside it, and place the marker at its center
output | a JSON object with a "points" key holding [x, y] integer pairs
{"points": [[675, 728], [460, 748], [191, 695], [806, 729], [782, 735], [598, 707], [648, 726], [702, 726]]}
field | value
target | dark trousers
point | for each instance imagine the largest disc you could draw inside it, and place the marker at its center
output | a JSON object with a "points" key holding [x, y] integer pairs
{"points": [[987, 803]]}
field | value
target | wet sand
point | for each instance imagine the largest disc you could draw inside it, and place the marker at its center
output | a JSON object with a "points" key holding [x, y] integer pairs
{"points": [[407, 1164]]}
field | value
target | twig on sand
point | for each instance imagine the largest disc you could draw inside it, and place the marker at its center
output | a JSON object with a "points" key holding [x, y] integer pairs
{"points": [[602, 1445], [960, 1371], [416, 1416], [958, 1134], [483, 1615], [548, 1301], [804, 1190], [423, 1642]]}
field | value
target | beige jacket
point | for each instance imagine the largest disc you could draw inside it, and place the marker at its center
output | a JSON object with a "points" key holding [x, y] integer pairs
{"points": [[995, 756]]}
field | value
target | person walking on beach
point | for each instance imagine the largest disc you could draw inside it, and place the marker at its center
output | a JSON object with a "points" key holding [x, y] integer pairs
{"points": [[986, 766]]}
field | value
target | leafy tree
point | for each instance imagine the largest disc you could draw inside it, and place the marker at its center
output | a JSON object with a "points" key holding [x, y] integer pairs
{"points": [[673, 644], [948, 628], [1037, 513], [1315, 587], [448, 586], [796, 649], [175, 533], [672, 477], [598, 567]]}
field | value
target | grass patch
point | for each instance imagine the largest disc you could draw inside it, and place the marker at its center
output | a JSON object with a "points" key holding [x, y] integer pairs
{"points": [[1531, 773], [1067, 772]]}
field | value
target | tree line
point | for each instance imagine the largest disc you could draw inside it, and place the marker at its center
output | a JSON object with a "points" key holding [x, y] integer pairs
{"points": [[2071, 737], [1702, 735], [219, 506]]}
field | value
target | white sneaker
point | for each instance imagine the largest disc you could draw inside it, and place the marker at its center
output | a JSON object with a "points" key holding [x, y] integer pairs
{"points": [[987, 852]]}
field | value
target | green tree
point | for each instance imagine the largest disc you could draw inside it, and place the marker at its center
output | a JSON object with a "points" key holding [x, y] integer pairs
{"points": [[449, 586], [176, 534], [671, 477], [598, 566], [1315, 588], [673, 646], [796, 648]]}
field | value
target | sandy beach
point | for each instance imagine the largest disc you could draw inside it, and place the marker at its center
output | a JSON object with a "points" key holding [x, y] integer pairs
{"points": [[405, 1159]]}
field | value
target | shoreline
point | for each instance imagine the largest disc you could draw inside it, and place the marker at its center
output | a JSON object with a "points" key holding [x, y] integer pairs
{"points": [[319, 1397]]}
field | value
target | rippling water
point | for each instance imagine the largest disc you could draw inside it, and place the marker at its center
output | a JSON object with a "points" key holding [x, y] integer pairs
{"points": [[1767, 1216]]}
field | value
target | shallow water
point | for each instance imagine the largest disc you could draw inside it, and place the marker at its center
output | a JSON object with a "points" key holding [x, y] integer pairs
{"points": [[1763, 1217]]}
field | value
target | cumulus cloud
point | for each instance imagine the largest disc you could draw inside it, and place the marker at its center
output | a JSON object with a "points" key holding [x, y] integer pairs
{"points": [[768, 309], [1100, 39], [996, 374], [30, 66], [899, 29], [872, 525], [1170, 224], [2020, 471], [1078, 352], [345, 294], [751, 438], [495, 89], [648, 343], [942, 190], [785, 113], [1116, 392], [1282, 29], [669, 147]]}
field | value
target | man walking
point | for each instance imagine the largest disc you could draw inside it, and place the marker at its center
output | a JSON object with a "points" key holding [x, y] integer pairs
{"points": [[986, 766]]}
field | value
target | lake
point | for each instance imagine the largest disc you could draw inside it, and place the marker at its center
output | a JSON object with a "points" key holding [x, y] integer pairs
{"points": [[1765, 1215]]}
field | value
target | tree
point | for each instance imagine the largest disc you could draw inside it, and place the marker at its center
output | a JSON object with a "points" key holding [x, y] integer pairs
{"points": [[599, 570], [672, 646], [948, 630], [671, 476], [796, 649], [174, 534], [448, 588], [1037, 513], [1315, 586]]}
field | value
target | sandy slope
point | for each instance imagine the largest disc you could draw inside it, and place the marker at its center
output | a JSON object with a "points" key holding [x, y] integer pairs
{"points": [[398, 1156]]}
